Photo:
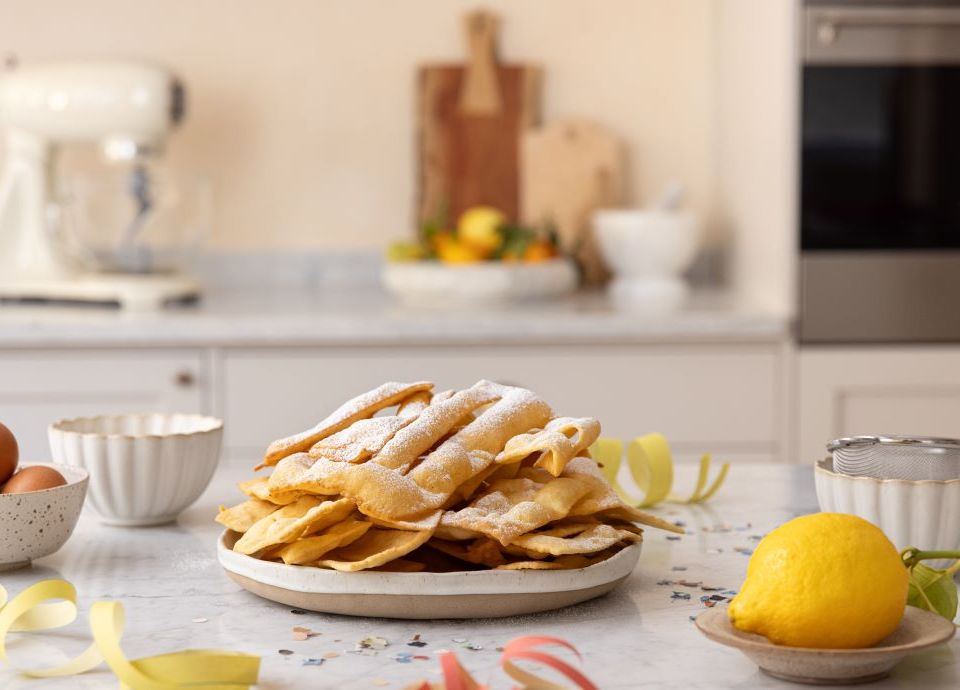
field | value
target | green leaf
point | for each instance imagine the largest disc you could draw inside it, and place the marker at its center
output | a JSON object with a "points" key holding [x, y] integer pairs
{"points": [[932, 590]]}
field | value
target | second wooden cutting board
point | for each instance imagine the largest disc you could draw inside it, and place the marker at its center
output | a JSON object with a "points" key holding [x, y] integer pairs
{"points": [[471, 119]]}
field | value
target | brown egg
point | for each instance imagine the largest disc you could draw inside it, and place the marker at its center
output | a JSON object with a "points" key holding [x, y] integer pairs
{"points": [[33, 478], [9, 454]]}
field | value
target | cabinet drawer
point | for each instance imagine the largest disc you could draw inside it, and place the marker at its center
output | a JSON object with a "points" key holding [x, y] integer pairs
{"points": [[701, 397], [40, 387], [877, 390]]}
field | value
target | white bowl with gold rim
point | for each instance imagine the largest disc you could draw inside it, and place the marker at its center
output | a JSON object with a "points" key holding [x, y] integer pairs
{"points": [[145, 469], [921, 513]]}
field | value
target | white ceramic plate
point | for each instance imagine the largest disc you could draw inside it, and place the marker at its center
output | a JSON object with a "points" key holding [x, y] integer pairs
{"points": [[468, 594], [918, 630]]}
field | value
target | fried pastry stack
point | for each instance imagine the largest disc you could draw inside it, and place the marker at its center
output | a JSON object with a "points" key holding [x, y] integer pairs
{"points": [[405, 479]]}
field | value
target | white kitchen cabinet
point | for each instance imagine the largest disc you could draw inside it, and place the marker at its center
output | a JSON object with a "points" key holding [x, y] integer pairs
{"points": [[40, 386], [846, 391], [724, 398]]}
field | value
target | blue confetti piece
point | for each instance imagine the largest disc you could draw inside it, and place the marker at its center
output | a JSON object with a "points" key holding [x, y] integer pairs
{"points": [[403, 657], [680, 595], [664, 582], [673, 537], [313, 662]]}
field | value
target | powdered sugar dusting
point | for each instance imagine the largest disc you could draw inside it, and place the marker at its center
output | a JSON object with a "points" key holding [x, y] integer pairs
{"points": [[360, 407]]}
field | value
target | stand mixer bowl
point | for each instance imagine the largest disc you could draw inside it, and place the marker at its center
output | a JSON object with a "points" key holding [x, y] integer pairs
{"points": [[136, 217]]}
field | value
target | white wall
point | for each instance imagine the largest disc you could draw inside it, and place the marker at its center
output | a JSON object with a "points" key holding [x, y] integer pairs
{"points": [[757, 105], [302, 110]]}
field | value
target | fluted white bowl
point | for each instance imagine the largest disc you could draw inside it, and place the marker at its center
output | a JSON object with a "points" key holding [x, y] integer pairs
{"points": [[145, 469], [924, 513]]}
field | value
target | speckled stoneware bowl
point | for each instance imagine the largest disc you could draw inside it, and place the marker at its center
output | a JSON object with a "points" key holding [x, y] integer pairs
{"points": [[918, 630], [144, 468], [38, 523]]}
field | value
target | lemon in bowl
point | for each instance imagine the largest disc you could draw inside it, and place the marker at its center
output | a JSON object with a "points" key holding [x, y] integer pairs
{"points": [[827, 581]]}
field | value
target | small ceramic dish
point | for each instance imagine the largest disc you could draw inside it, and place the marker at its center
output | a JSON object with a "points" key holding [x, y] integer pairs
{"points": [[145, 469], [923, 513], [424, 596], [918, 630], [38, 523]]}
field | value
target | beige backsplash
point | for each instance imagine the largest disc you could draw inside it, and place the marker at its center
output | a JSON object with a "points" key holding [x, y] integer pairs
{"points": [[301, 111]]}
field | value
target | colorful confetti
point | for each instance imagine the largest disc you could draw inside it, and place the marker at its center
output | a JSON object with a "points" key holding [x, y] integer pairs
{"points": [[673, 537], [708, 588], [312, 661], [402, 657], [744, 550], [688, 583], [664, 582], [680, 595], [678, 568], [372, 642], [200, 620], [300, 634], [331, 655], [285, 652], [297, 612]]}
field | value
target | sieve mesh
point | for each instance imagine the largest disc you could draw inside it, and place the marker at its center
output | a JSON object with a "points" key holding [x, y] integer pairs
{"points": [[911, 458]]}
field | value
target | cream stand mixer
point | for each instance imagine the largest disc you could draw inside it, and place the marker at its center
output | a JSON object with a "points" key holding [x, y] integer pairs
{"points": [[128, 109]]}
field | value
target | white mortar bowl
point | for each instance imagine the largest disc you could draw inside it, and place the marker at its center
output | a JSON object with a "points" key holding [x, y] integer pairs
{"points": [[923, 513], [648, 252], [145, 469], [37, 523]]}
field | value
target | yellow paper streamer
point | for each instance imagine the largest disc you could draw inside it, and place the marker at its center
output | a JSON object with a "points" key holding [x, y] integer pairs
{"points": [[31, 610], [650, 463]]}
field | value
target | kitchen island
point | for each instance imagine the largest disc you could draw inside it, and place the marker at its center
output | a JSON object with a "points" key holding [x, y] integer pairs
{"points": [[639, 636]]}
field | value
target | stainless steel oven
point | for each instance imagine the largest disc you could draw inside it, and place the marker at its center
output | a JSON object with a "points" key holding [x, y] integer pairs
{"points": [[880, 172]]}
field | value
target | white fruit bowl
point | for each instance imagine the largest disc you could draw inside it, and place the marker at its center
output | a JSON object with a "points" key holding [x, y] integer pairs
{"points": [[430, 283], [924, 514], [145, 469]]}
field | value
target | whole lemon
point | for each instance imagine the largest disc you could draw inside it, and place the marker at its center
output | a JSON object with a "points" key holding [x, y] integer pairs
{"points": [[826, 580], [479, 227]]}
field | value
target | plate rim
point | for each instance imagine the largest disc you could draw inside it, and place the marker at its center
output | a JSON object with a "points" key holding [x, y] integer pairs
{"points": [[325, 581], [763, 645]]}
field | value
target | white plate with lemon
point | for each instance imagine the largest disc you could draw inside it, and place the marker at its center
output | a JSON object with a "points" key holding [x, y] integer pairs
{"points": [[484, 259], [825, 601]]}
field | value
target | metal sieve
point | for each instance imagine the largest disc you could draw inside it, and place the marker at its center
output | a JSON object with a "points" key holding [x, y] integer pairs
{"points": [[897, 457]]}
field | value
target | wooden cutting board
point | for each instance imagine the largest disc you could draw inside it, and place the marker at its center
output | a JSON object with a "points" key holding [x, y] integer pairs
{"points": [[470, 120], [570, 168]]}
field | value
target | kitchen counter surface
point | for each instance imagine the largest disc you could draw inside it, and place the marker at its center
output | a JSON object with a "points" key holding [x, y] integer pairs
{"points": [[341, 316], [176, 596]]}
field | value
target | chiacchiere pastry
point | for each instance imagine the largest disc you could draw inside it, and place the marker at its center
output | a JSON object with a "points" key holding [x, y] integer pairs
{"points": [[404, 479]]}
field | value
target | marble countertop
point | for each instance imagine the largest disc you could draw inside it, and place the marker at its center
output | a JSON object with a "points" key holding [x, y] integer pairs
{"points": [[635, 637], [341, 316]]}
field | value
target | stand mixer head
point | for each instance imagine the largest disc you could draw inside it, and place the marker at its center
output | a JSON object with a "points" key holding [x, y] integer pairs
{"points": [[128, 109]]}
